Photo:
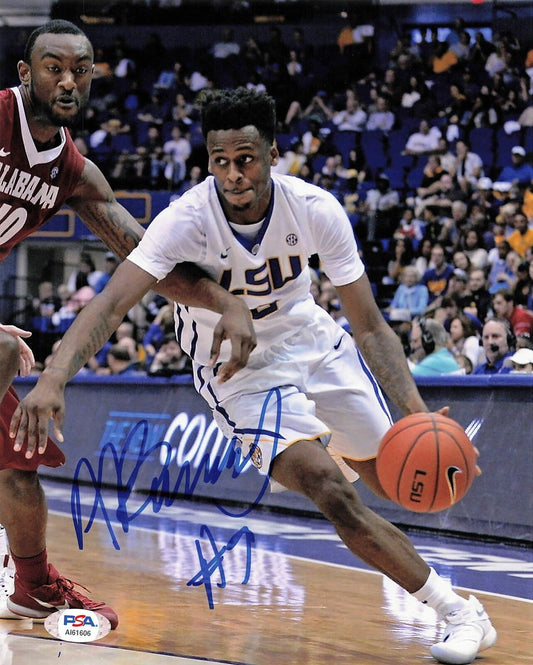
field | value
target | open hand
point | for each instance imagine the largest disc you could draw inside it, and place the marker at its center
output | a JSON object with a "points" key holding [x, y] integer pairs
{"points": [[32, 415]]}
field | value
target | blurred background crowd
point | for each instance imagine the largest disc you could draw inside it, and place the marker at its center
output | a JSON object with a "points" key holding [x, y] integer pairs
{"points": [[428, 146]]}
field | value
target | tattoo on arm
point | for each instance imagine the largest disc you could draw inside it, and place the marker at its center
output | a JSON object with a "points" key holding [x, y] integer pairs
{"points": [[387, 362], [113, 225], [96, 338]]}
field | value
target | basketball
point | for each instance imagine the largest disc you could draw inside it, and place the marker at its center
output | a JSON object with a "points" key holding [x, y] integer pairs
{"points": [[426, 462]]}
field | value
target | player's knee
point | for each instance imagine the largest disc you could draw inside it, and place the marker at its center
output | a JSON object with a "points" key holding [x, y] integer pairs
{"points": [[336, 498], [20, 484], [9, 354]]}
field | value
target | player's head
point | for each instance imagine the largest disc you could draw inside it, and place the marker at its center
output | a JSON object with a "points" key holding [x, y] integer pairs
{"points": [[234, 109], [57, 70], [238, 126]]}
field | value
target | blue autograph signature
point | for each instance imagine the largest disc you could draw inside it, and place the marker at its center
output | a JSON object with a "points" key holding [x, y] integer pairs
{"points": [[209, 566], [162, 492]]}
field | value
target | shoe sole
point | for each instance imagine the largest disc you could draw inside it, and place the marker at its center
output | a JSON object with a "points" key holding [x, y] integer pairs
{"points": [[439, 653], [489, 640], [27, 612]]}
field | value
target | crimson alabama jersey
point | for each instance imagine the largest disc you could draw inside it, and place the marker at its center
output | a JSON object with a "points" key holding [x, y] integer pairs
{"points": [[33, 184]]}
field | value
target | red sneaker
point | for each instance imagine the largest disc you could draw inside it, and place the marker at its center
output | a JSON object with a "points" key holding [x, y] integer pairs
{"points": [[58, 594]]}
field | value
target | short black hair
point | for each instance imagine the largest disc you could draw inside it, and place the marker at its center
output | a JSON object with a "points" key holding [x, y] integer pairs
{"points": [[507, 295], [56, 27], [120, 353], [237, 108]]}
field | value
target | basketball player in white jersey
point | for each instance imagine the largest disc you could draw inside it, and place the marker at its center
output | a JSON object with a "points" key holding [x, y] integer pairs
{"points": [[307, 390], [40, 170]]}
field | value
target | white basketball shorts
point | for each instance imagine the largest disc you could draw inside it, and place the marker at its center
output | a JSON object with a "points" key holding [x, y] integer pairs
{"points": [[313, 385]]}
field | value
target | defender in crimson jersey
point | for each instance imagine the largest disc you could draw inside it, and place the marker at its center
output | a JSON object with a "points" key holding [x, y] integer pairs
{"points": [[34, 184], [40, 171]]}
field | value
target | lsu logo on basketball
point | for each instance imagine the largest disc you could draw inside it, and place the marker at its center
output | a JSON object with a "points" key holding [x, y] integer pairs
{"points": [[417, 486]]}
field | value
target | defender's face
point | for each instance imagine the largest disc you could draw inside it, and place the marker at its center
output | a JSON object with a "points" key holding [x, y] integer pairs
{"points": [[59, 77], [240, 161]]}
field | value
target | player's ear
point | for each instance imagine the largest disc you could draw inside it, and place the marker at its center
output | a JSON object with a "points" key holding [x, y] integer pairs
{"points": [[24, 72], [274, 155]]}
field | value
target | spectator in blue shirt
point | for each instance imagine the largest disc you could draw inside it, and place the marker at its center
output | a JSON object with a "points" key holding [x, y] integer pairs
{"points": [[519, 171], [436, 278], [411, 294], [121, 363]]}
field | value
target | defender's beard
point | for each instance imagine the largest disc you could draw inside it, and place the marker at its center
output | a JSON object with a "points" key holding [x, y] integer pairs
{"points": [[44, 112]]}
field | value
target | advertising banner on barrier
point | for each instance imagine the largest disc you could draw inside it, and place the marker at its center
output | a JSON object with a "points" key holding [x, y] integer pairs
{"points": [[159, 436]]}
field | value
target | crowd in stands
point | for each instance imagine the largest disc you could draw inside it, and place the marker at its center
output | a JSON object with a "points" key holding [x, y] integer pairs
{"points": [[431, 157]]}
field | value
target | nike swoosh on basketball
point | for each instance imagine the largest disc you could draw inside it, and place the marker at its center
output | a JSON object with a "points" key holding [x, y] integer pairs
{"points": [[3, 152], [65, 605], [450, 474]]}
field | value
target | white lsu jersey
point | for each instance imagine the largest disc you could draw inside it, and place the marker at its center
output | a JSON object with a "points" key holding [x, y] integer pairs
{"points": [[270, 272]]}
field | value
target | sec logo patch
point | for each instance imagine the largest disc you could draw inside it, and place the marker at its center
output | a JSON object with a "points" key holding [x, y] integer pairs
{"points": [[291, 239]]}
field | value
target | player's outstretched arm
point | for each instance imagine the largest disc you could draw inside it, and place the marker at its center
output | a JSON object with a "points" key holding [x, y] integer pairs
{"points": [[95, 203], [380, 346], [88, 333]]}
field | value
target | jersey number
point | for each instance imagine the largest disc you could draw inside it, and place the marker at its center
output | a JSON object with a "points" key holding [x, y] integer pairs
{"points": [[264, 310], [11, 221]]}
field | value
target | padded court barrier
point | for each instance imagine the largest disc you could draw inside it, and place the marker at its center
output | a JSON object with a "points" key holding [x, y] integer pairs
{"points": [[115, 425]]}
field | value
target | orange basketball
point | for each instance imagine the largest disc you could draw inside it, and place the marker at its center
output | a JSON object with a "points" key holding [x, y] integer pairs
{"points": [[426, 462]]}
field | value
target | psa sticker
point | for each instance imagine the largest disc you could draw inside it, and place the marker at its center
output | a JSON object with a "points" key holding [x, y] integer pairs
{"points": [[77, 625]]}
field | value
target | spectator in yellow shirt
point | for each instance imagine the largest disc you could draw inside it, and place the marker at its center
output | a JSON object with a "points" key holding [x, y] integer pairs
{"points": [[521, 239], [444, 59]]}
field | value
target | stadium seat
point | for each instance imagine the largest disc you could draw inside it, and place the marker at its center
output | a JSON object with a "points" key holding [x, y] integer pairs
{"points": [[414, 177], [528, 141], [504, 145], [373, 147], [122, 143], [396, 177], [344, 142], [481, 140]]}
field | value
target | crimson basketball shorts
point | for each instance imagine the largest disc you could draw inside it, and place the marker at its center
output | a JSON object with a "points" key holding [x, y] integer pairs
{"points": [[314, 385], [9, 459]]}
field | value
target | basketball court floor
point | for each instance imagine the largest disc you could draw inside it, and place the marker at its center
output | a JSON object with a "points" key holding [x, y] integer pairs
{"points": [[193, 584]]}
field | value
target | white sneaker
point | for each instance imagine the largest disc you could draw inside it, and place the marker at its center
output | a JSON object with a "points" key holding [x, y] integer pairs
{"points": [[7, 587], [467, 632]]}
